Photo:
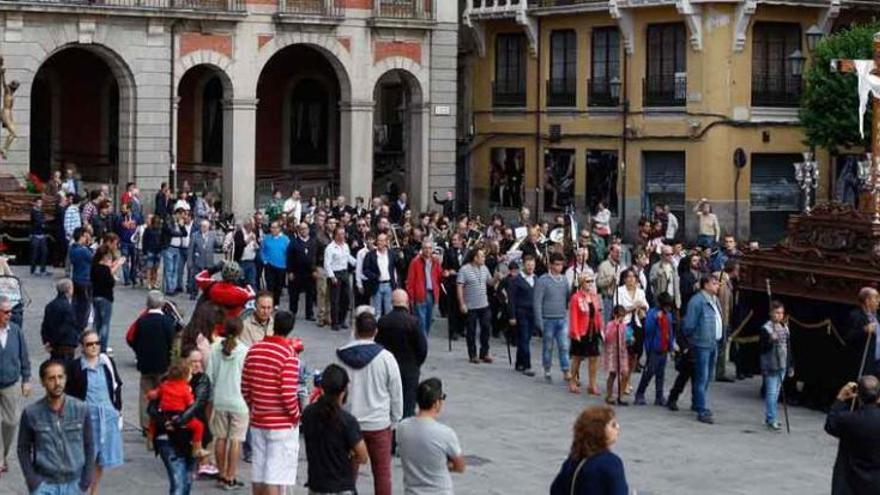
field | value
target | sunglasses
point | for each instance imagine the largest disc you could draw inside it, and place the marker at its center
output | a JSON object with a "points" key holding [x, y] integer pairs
{"points": [[91, 344], [443, 397]]}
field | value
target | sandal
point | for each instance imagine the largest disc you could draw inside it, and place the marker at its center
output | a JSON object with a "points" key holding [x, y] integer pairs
{"points": [[573, 388]]}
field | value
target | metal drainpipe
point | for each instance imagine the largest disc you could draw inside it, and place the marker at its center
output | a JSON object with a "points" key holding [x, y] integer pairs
{"points": [[624, 94], [172, 129], [538, 165]]}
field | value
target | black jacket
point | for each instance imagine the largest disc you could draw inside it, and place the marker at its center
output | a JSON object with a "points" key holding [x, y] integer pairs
{"points": [[371, 272], [857, 468], [395, 212], [400, 334], [856, 339], [59, 324], [78, 380], [448, 206], [520, 296], [302, 256], [152, 341]]}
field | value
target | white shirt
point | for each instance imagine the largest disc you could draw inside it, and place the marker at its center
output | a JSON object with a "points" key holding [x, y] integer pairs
{"points": [[713, 301], [337, 257], [293, 208], [4, 336], [530, 279], [624, 299], [671, 226], [359, 270], [382, 261]]}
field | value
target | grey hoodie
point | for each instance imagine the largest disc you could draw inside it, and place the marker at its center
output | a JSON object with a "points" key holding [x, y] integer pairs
{"points": [[551, 298], [375, 396]]}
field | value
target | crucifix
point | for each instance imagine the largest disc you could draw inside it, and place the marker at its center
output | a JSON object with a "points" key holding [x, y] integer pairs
{"points": [[869, 82]]}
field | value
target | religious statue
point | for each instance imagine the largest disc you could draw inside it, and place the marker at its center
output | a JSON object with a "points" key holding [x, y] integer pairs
{"points": [[6, 114]]}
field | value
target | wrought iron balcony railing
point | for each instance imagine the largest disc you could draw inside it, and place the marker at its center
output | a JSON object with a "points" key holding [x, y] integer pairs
{"points": [[419, 10], [599, 93], [561, 93], [328, 8], [213, 6], [776, 90], [666, 90], [508, 95], [480, 4]]}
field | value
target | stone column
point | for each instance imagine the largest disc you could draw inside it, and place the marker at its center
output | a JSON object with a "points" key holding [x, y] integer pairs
{"points": [[356, 149], [239, 152]]}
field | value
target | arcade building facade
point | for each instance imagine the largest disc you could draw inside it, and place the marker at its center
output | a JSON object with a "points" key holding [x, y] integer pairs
{"points": [[353, 97]]}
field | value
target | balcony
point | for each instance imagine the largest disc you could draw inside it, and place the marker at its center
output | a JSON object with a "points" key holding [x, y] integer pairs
{"points": [[776, 90], [490, 4], [547, 7], [667, 90], [321, 12], [561, 93], [403, 13], [179, 8], [599, 93], [508, 94]]}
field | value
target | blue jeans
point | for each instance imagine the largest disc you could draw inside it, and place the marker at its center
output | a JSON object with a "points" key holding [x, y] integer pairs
{"points": [[45, 488], [607, 310], [179, 468], [103, 312], [249, 269], [704, 372], [181, 268], [381, 300], [128, 250], [772, 385], [39, 252], [705, 241], [655, 368], [425, 312], [555, 331], [170, 260], [525, 324]]}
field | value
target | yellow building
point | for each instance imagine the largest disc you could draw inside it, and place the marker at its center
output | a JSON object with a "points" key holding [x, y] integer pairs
{"points": [[639, 102]]}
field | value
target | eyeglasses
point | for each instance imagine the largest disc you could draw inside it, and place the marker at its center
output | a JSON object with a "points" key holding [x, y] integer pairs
{"points": [[91, 344]]}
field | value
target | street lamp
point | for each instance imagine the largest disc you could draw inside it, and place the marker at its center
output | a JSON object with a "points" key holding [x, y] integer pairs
{"points": [[814, 36], [797, 59], [806, 173], [863, 173], [614, 88]]}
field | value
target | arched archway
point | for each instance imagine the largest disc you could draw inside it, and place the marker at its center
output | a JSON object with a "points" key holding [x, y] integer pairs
{"points": [[82, 115], [398, 135], [298, 141], [203, 126]]}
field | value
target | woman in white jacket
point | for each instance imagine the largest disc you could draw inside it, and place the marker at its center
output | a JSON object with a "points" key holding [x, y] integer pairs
{"points": [[632, 298]]}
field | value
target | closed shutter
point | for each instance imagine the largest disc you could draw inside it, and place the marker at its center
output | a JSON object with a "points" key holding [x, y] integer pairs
{"points": [[774, 195], [664, 174]]}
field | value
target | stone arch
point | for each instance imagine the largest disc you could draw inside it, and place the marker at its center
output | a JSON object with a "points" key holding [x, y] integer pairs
{"points": [[216, 61], [335, 52], [127, 99], [406, 65]]}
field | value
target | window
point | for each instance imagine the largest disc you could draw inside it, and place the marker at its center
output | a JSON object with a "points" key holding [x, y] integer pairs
{"points": [[561, 88], [558, 179], [604, 65], [602, 179], [509, 89], [664, 173], [666, 81], [774, 195], [773, 84]]}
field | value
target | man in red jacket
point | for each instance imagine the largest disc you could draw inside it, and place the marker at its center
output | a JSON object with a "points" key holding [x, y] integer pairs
{"points": [[229, 292], [423, 284]]}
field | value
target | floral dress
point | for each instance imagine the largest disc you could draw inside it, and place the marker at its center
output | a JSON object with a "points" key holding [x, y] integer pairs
{"points": [[615, 355]]}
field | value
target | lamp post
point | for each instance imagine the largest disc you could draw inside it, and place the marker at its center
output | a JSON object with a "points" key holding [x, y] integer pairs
{"points": [[806, 173], [814, 36]]}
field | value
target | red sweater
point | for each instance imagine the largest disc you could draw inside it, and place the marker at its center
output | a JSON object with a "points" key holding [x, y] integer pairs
{"points": [[175, 395], [269, 383], [415, 280], [232, 297]]}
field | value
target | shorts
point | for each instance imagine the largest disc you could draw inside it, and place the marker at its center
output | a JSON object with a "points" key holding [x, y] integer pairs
{"points": [[225, 424], [151, 260], [275, 455]]}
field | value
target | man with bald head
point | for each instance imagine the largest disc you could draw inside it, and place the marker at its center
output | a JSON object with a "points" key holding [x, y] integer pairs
{"points": [[856, 470], [862, 334], [400, 334]]}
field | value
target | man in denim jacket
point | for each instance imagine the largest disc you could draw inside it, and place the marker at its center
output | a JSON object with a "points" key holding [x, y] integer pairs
{"points": [[55, 443], [703, 329]]}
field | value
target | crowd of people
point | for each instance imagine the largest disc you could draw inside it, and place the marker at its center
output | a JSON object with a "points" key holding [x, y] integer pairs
{"points": [[232, 378]]}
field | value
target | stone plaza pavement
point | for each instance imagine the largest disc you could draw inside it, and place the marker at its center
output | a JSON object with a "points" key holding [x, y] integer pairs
{"points": [[515, 430]]}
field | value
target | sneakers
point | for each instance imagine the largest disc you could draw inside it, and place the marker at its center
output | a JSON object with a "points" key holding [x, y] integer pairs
{"points": [[528, 372], [640, 401], [773, 426], [706, 418], [548, 377]]}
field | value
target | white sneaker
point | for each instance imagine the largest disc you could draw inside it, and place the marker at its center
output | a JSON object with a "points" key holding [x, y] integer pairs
{"points": [[109, 351]]}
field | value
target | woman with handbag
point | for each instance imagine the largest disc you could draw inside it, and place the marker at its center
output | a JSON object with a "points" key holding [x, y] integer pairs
{"points": [[632, 297], [591, 468], [585, 331]]}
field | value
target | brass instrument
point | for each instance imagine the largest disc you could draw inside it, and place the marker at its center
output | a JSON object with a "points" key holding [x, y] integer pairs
{"points": [[395, 242]]}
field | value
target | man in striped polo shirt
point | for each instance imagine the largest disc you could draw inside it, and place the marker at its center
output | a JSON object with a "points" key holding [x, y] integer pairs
{"points": [[269, 384]]}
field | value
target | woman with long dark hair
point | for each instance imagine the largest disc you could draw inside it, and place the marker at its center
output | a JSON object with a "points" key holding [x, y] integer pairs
{"points": [[334, 444], [591, 467], [206, 323]]}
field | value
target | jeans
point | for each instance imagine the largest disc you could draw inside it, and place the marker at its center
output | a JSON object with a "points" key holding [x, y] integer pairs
{"points": [[46, 488], [655, 367], [103, 312], [249, 269], [381, 300], [555, 330], [772, 384], [525, 324], [128, 250], [39, 252], [705, 241], [483, 317], [82, 304], [425, 312], [170, 260], [607, 309], [181, 268], [179, 468], [704, 372]]}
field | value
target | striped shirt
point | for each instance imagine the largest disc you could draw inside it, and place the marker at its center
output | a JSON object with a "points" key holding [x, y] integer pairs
{"points": [[474, 279], [270, 382]]}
